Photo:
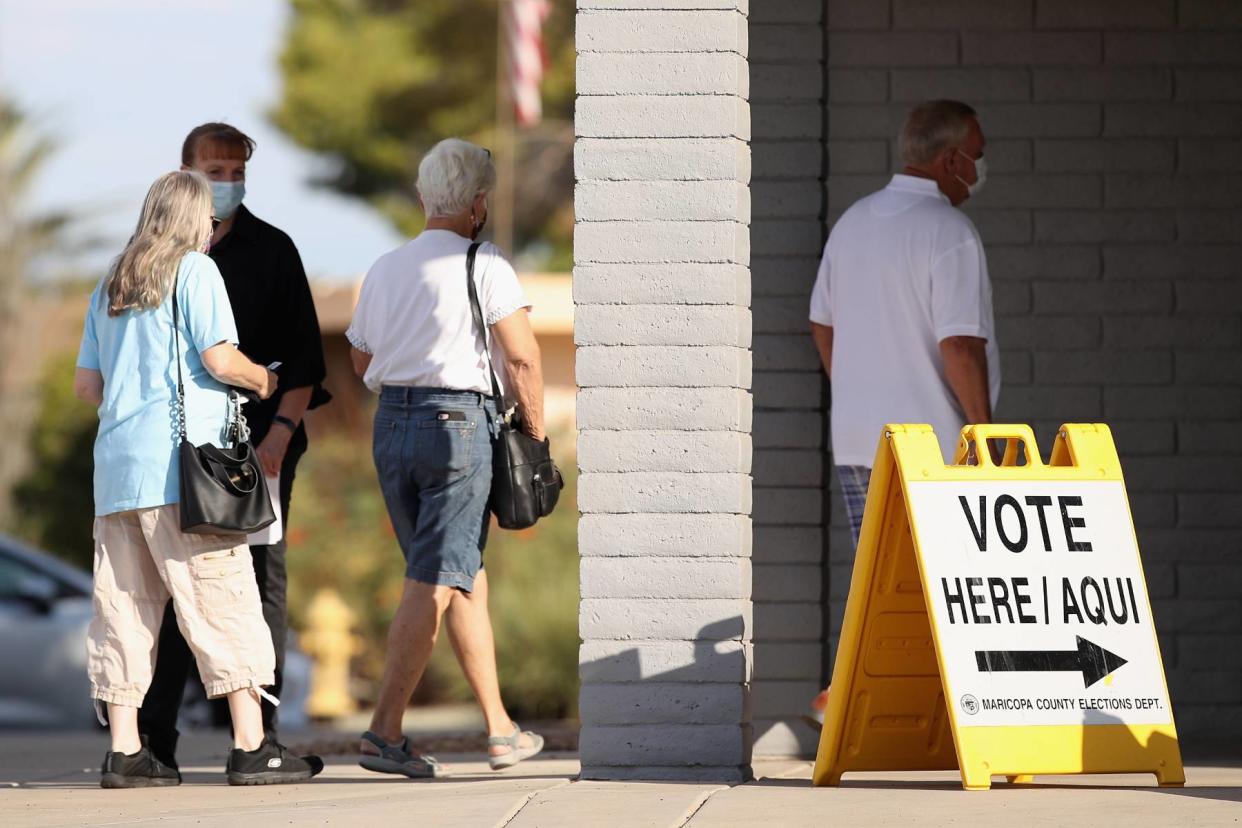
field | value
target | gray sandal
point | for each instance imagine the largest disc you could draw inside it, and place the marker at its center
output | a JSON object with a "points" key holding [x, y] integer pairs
{"points": [[515, 754], [398, 759]]}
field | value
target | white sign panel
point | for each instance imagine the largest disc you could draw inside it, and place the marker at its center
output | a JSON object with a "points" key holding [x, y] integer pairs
{"points": [[1039, 601]]}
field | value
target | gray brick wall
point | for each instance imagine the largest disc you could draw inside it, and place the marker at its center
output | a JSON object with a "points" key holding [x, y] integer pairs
{"points": [[1113, 223], [787, 195], [663, 328]]}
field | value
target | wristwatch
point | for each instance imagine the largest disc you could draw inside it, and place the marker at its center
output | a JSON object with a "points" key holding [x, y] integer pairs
{"points": [[286, 422]]}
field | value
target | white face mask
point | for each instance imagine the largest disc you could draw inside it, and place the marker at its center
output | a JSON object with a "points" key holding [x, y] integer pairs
{"points": [[981, 175]]}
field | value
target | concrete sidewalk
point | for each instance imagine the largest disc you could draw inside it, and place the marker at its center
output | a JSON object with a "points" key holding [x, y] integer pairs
{"points": [[47, 781]]}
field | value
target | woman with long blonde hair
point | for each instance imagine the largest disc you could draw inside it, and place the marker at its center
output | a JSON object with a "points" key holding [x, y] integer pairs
{"points": [[127, 367]]}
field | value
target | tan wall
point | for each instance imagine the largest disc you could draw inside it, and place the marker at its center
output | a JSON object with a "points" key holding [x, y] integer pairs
{"points": [[551, 318], [352, 403], [52, 326]]}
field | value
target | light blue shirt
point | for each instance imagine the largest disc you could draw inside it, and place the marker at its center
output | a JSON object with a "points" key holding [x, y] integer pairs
{"points": [[136, 451]]}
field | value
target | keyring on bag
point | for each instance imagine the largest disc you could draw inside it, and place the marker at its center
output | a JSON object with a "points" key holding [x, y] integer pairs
{"points": [[239, 429]]}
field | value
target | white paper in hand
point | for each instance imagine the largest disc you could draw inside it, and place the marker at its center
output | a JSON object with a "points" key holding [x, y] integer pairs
{"points": [[273, 532]]}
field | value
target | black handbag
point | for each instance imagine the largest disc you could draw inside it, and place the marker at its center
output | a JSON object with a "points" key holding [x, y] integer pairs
{"points": [[222, 490], [526, 484]]}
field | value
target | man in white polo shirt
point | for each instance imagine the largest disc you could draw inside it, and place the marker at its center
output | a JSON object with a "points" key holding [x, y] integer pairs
{"points": [[901, 311]]}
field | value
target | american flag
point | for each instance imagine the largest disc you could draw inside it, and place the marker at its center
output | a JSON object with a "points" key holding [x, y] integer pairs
{"points": [[523, 23]]}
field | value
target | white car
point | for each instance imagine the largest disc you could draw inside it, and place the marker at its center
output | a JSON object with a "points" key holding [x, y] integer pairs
{"points": [[45, 608]]}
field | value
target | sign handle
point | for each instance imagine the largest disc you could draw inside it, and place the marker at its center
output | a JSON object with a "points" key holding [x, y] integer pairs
{"points": [[1012, 434]]}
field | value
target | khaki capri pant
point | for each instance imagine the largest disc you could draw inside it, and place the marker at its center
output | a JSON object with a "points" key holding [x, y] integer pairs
{"points": [[141, 559]]}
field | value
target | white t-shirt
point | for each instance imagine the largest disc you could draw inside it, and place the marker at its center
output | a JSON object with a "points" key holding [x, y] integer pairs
{"points": [[413, 314], [902, 270]]}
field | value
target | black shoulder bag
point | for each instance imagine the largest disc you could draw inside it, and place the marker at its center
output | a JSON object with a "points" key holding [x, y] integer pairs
{"points": [[526, 484], [222, 490]]}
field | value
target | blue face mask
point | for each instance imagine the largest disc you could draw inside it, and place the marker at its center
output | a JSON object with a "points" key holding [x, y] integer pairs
{"points": [[226, 197]]}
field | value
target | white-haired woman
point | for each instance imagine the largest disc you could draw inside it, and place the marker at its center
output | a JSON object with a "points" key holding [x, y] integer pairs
{"points": [[127, 367], [415, 344]]}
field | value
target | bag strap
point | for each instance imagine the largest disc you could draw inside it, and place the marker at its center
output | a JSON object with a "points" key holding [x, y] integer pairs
{"points": [[177, 357], [238, 431], [477, 312]]}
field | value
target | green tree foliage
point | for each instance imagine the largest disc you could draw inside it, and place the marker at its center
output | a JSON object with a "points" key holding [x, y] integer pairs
{"points": [[24, 236], [340, 538], [54, 504], [373, 84]]}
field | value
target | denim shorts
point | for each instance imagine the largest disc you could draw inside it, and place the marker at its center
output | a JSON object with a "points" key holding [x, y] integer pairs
{"points": [[433, 453]]}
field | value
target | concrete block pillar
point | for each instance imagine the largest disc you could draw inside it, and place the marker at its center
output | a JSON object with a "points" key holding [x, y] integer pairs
{"points": [[662, 296]]}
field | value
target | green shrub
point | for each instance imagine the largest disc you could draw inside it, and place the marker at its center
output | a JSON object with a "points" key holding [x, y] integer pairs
{"points": [[340, 538], [533, 577], [54, 503]]}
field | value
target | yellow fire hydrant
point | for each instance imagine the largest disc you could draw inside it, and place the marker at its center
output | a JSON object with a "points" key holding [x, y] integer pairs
{"points": [[331, 644]]}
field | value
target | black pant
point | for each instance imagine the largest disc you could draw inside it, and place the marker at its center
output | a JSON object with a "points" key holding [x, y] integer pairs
{"points": [[157, 719]]}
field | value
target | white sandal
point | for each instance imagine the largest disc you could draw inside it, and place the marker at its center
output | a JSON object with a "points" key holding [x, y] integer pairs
{"points": [[515, 753]]}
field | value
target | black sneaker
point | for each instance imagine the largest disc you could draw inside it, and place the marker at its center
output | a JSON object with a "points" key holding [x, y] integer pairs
{"points": [[270, 764], [136, 770], [163, 746]]}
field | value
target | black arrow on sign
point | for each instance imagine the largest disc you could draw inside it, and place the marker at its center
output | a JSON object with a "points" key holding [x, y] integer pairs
{"points": [[1094, 661]]}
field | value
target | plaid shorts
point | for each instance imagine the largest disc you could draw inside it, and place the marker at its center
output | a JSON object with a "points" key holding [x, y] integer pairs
{"points": [[854, 480]]}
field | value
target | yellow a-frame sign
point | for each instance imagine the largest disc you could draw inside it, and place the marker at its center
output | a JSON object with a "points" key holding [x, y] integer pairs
{"points": [[998, 619]]}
